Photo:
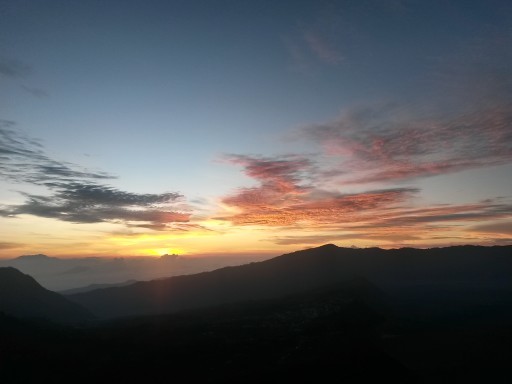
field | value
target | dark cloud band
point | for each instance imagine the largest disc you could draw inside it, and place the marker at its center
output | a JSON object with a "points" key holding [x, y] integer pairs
{"points": [[76, 196]]}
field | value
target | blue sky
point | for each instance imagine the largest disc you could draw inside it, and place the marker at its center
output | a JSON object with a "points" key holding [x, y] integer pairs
{"points": [[191, 97]]}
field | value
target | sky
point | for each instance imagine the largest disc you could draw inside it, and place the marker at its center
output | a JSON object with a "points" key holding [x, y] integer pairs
{"points": [[143, 128]]}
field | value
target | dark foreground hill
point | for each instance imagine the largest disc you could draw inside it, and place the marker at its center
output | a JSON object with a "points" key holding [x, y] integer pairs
{"points": [[453, 272], [355, 315], [312, 337], [21, 296]]}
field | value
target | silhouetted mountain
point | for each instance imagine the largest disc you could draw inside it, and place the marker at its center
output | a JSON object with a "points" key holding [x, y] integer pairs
{"points": [[410, 265], [21, 296], [39, 257], [58, 274], [306, 316], [308, 269], [93, 287], [307, 337], [255, 281]]}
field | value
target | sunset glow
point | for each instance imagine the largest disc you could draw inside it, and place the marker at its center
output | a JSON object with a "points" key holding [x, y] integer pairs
{"points": [[186, 129]]}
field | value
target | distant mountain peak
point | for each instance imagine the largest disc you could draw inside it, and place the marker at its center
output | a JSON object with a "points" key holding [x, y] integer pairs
{"points": [[328, 246], [38, 256]]}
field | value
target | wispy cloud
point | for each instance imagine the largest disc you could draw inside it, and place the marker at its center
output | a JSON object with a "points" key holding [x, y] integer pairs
{"points": [[289, 198], [14, 68], [322, 48], [7, 245], [23, 160], [500, 227], [309, 48], [297, 54], [320, 207], [388, 144], [459, 117], [445, 214], [36, 92], [76, 196], [316, 41], [17, 70], [401, 224], [96, 203], [285, 198], [278, 175]]}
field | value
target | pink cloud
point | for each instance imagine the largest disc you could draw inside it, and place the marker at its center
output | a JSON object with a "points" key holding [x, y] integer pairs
{"points": [[283, 198], [394, 225], [279, 180], [375, 145]]}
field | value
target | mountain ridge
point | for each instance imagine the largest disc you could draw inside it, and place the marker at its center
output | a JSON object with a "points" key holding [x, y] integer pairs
{"points": [[23, 297], [302, 270]]}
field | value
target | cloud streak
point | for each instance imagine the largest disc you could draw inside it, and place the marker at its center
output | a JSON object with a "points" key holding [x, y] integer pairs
{"points": [[96, 203], [76, 196], [14, 68], [288, 198], [460, 118], [284, 198], [400, 226], [322, 49], [23, 161], [36, 92], [386, 144], [7, 245], [501, 227]]}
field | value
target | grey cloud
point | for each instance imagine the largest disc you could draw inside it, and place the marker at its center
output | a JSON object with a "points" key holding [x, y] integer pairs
{"points": [[323, 49], [14, 68], [24, 161], [175, 226], [460, 118], [7, 245], [388, 143], [94, 203], [504, 227], [98, 194], [36, 92], [105, 204], [75, 194]]}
